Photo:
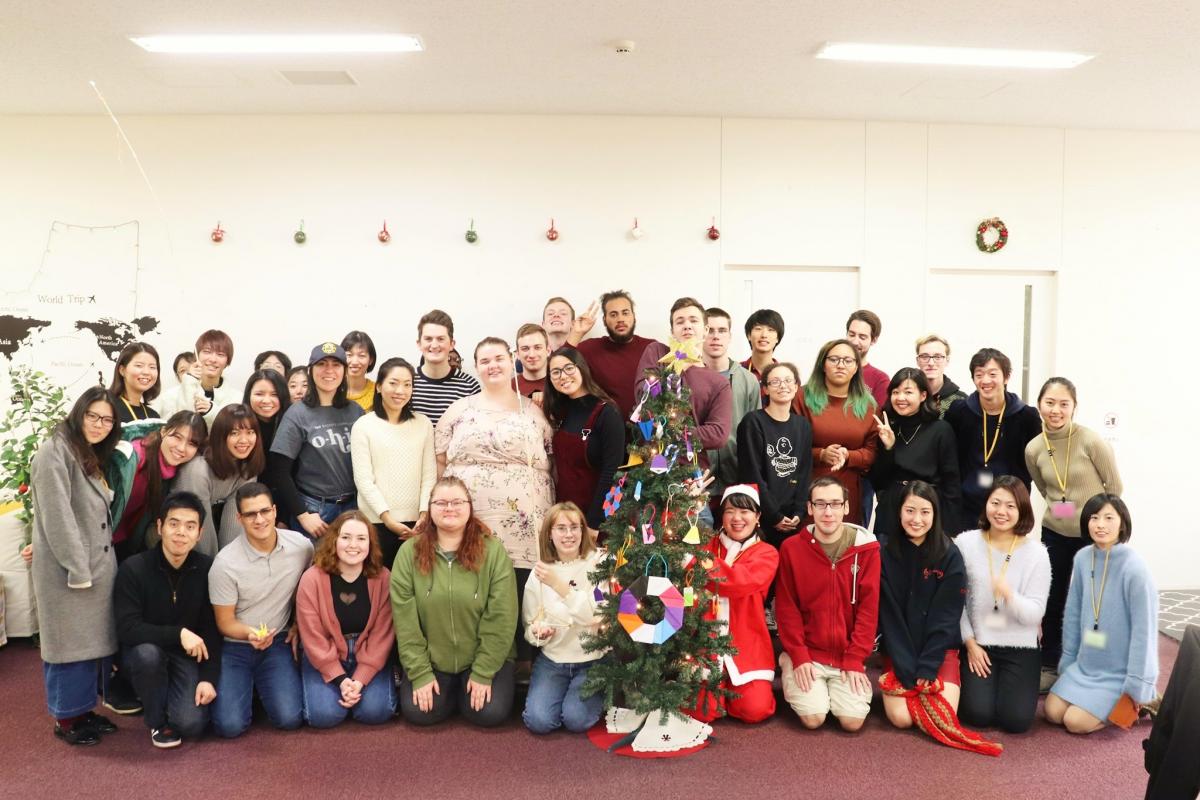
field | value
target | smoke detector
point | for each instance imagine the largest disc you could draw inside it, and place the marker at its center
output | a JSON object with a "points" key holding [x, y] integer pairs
{"points": [[624, 45]]}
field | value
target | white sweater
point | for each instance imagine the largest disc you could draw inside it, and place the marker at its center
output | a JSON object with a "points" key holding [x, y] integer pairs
{"points": [[183, 398], [570, 616], [394, 466], [1029, 576]]}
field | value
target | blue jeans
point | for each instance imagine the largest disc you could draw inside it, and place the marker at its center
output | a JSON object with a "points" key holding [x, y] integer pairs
{"points": [[327, 511], [272, 672], [72, 688], [321, 707], [166, 683], [553, 700]]}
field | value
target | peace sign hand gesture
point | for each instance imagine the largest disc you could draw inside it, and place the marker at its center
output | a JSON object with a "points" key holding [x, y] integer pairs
{"points": [[886, 434]]}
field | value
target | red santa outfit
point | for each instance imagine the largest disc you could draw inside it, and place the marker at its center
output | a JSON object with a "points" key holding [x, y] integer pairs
{"points": [[747, 569], [828, 615]]}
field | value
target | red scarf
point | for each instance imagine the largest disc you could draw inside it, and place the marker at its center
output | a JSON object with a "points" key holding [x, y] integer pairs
{"points": [[931, 713]]}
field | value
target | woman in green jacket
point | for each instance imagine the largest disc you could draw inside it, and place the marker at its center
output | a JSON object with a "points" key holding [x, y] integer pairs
{"points": [[454, 603]]}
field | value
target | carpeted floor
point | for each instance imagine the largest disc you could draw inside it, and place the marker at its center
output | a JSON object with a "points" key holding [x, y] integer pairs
{"points": [[1176, 611], [776, 760]]}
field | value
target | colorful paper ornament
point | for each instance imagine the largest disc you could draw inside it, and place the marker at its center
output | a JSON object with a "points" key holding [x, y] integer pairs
{"points": [[622, 560], [713, 233], [634, 460], [687, 441], [647, 428], [383, 235], [663, 461], [658, 427], [552, 234], [681, 355], [612, 500], [637, 492], [648, 514], [300, 237], [693, 532], [472, 237], [689, 594], [636, 232], [636, 415], [654, 387], [630, 618], [218, 234]]}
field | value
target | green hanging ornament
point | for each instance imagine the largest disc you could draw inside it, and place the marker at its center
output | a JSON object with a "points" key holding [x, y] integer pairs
{"points": [[300, 237], [472, 236]]}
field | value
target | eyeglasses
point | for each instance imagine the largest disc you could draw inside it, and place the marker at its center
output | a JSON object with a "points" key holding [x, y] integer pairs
{"points": [[821, 505], [936, 358], [776, 383], [444, 504], [96, 419], [262, 512], [568, 371], [839, 361], [564, 529]]}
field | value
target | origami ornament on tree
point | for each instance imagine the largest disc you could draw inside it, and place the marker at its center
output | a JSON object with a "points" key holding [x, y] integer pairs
{"points": [[612, 500], [681, 355], [629, 614]]}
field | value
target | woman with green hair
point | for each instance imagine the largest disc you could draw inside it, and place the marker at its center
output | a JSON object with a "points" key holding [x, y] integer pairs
{"points": [[842, 412]]}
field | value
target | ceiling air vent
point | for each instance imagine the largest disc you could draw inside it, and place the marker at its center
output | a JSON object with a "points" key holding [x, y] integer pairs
{"points": [[335, 77]]}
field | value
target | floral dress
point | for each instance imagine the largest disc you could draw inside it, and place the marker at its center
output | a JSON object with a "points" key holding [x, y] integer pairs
{"points": [[504, 459]]}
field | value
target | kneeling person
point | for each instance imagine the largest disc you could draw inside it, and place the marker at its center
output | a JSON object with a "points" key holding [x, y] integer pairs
{"points": [[252, 584], [169, 638], [826, 607]]}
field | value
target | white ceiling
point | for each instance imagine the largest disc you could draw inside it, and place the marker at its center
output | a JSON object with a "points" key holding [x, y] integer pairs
{"points": [[693, 58]]}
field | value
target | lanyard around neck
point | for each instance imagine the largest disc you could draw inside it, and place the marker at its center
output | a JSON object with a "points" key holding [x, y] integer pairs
{"points": [[1003, 566], [133, 413], [1097, 601], [987, 451], [1061, 477]]}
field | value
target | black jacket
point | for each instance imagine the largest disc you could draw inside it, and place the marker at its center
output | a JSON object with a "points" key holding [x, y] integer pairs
{"points": [[920, 609], [153, 602], [928, 453]]}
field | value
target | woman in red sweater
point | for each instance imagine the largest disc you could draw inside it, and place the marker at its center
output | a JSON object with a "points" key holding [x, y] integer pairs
{"points": [[345, 620], [842, 411]]}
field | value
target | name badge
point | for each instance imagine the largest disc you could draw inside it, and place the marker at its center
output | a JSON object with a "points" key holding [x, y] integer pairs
{"points": [[985, 479], [1096, 639], [1063, 510], [995, 620]]}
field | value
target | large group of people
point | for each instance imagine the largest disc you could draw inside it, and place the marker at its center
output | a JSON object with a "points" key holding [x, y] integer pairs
{"points": [[419, 541]]}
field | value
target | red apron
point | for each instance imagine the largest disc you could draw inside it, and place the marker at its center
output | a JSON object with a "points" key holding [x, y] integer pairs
{"points": [[576, 477]]}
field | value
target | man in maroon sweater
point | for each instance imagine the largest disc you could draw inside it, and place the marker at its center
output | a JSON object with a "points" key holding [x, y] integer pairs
{"points": [[613, 359], [826, 608], [862, 331], [712, 399]]}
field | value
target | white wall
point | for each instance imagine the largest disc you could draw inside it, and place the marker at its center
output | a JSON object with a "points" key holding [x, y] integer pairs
{"points": [[1112, 213]]}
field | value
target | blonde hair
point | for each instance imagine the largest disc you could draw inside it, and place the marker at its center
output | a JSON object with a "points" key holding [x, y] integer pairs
{"points": [[546, 549], [933, 337]]}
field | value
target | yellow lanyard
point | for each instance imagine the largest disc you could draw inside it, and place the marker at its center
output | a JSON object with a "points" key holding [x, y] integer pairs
{"points": [[1096, 601], [1061, 477], [987, 451], [1003, 566], [133, 413]]}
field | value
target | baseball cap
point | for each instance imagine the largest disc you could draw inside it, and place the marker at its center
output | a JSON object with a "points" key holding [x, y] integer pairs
{"points": [[327, 350]]}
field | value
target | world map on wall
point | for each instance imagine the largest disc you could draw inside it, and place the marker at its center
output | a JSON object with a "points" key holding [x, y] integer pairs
{"points": [[20, 333]]}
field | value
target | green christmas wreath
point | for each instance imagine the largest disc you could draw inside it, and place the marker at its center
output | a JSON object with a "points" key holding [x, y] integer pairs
{"points": [[994, 223]]}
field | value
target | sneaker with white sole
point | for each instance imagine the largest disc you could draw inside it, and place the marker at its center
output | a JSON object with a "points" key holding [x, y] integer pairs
{"points": [[165, 737]]}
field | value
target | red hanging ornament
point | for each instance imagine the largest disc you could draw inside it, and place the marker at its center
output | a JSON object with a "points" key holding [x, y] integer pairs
{"points": [[384, 236], [218, 234], [552, 234], [713, 233]]}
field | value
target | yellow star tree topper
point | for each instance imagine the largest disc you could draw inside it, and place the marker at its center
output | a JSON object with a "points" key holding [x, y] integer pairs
{"points": [[681, 355]]}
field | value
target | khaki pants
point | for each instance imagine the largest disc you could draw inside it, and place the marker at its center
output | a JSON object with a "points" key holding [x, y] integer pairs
{"points": [[829, 693]]}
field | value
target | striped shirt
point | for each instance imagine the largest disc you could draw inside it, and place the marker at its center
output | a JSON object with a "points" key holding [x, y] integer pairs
{"points": [[432, 396]]}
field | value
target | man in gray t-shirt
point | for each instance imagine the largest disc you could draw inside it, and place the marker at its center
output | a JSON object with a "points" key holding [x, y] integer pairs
{"points": [[252, 586]]}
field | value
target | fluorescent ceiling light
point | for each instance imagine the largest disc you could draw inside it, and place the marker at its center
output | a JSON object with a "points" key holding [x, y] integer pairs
{"points": [[272, 43], [963, 56]]}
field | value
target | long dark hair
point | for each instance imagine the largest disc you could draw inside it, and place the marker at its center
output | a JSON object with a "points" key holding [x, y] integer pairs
{"points": [[406, 413], [936, 543], [92, 457], [277, 381], [313, 400], [220, 460], [928, 410], [197, 430], [117, 387], [555, 403]]}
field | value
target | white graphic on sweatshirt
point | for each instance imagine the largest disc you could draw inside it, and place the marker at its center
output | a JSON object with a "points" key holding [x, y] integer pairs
{"points": [[781, 459]]}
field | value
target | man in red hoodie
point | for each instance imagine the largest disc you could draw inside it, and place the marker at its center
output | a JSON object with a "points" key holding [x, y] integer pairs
{"points": [[826, 607]]}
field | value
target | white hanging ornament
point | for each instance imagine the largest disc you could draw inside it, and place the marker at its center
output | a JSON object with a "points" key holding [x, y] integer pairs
{"points": [[636, 232]]}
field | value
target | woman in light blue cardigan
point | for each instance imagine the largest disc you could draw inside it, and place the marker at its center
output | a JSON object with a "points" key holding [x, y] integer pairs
{"points": [[1110, 629]]}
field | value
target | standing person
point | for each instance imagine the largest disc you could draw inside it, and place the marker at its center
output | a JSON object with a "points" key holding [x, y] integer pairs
{"points": [[141, 472], [561, 325], [360, 360], [827, 606], [75, 567], [764, 332], [186, 364], [863, 329], [533, 351], [712, 399], [992, 428], [1008, 578], [454, 606], [920, 602], [498, 444], [559, 607], [744, 567], [252, 585], [391, 450], [345, 623], [613, 358], [917, 445], [840, 408], [775, 454], [135, 382], [933, 355], [437, 384], [207, 393], [744, 391], [171, 648], [1109, 664], [589, 437], [273, 359], [234, 457], [297, 383], [1070, 464], [267, 396], [310, 461]]}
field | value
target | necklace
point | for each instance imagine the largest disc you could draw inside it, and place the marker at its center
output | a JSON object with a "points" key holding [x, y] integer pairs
{"points": [[1096, 601], [987, 451], [1003, 567], [908, 439], [1061, 477]]}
